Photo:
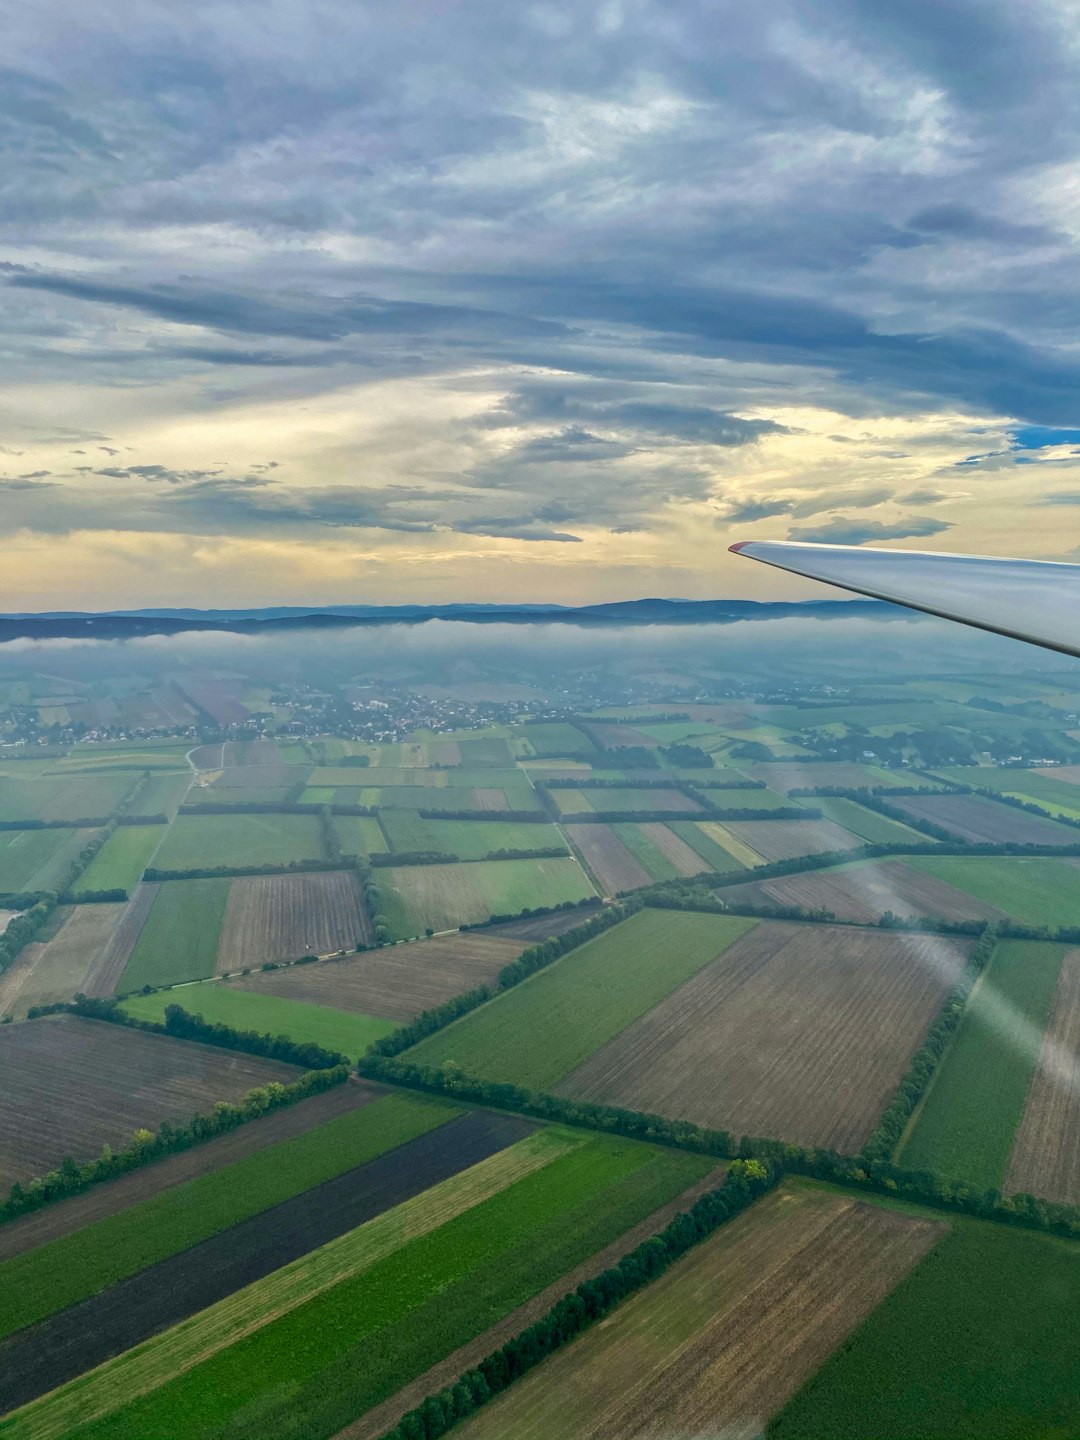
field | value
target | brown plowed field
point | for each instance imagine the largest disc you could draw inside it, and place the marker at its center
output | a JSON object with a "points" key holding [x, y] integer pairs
{"points": [[89, 1333], [124, 939], [278, 917], [72, 961], [27, 1233], [490, 799], [981, 821], [1045, 1158], [865, 893], [398, 981], [376, 1422], [723, 1340], [256, 777], [543, 927], [612, 736], [685, 860], [796, 1032], [69, 1086], [790, 839], [608, 858]]}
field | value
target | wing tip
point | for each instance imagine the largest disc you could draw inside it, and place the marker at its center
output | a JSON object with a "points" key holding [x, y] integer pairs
{"points": [[738, 547]]}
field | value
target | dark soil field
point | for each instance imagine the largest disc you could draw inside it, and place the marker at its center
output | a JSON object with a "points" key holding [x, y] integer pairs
{"points": [[66, 1216], [397, 981], [865, 892], [280, 917], [69, 1086], [978, 820], [542, 927], [796, 1032], [66, 1345]]}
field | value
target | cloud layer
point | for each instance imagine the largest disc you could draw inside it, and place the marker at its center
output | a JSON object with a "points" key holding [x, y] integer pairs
{"points": [[536, 301]]}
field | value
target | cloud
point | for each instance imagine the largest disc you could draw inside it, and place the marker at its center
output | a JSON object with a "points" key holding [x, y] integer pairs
{"points": [[848, 532], [925, 495]]}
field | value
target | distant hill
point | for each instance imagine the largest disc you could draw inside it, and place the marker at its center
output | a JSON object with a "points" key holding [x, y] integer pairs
{"points": [[125, 624]]}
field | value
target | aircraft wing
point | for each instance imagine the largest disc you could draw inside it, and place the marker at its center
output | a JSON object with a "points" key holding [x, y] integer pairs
{"points": [[1033, 600]]}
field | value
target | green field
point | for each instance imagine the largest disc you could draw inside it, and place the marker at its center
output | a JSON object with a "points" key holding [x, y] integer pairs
{"points": [[1039, 890], [62, 1272], [1057, 796], [38, 859], [120, 862], [344, 1031], [68, 800], [979, 1341], [467, 839], [360, 834], [713, 853], [180, 938], [160, 795], [355, 1320], [536, 1033], [867, 824], [441, 897], [645, 852], [450, 797], [965, 1128], [197, 842], [556, 737]]}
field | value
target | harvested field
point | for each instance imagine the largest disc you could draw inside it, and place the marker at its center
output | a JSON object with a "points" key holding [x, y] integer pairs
{"points": [[66, 1216], [124, 939], [615, 868], [489, 799], [398, 981], [864, 891], [685, 860], [32, 860], [726, 1336], [543, 927], [796, 1032], [373, 1425], [70, 1086], [280, 917], [1045, 1158], [441, 897], [790, 839], [84, 1336], [632, 798], [73, 960], [978, 820], [236, 782], [611, 736]]}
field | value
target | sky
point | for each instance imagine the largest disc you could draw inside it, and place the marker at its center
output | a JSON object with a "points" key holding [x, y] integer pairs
{"points": [[317, 302]]}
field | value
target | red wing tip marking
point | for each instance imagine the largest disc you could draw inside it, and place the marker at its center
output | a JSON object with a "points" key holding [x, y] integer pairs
{"points": [[739, 545]]}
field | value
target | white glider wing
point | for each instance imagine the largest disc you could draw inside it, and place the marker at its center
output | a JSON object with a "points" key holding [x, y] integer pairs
{"points": [[1033, 600]]}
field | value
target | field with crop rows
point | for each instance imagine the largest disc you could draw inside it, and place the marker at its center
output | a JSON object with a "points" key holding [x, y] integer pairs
{"points": [[539, 1031], [280, 917], [978, 820], [198, 842], [355, 1319], [791, 839], [179, 937], [32, 860], [68, 800], [73, 959], [397, 981], [867, 824], [966, 1126], [1040, 890], [441, 897], [799, 1032], [615, 866], [864, 890], [73, 1085], [698, 1352]]}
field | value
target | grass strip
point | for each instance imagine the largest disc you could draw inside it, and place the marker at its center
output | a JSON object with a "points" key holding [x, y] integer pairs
{"points": [[58, 1274]]}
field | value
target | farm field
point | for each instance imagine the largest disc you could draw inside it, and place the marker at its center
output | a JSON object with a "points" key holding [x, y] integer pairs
{"points": [[790, 839], [617, 798], [978, 820], [965, 1127], [489, 799], [280, 917], [32, 860], [441, 897], [697, 1353], [537, 1032], [397, 981], [120, 862], [864, 890], [179, 937], [841, 773], [70, 1268], [355, 1319], [348, 1032], [558, 739], [1055, 790], [80, 1084], [161, 795], [1039, 890], [1045, 1158], [979, 1340], [615, 866], [716, 846], [359, 834], [867, 824], [795, 1032], [199, 842], [664, 855], [67, 801], [74, 959], [408, 832]]}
